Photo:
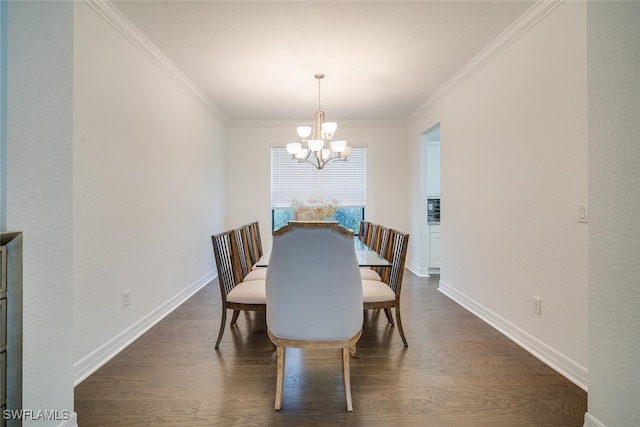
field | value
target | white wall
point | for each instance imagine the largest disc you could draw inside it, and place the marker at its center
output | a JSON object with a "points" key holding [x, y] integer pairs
{"points": [[39, 196], [249, 171], [148, 190], [514, 169], [614, 240]]}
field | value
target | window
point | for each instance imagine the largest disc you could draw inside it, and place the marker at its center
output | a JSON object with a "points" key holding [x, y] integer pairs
{"points": [[342, 181]]}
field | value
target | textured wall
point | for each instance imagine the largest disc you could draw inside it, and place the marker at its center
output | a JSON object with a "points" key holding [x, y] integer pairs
{"points": [[614, 241], [39, 193]]}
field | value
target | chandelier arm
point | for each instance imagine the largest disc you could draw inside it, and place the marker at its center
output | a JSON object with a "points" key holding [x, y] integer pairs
{"points": [[316, 164], [305, 158], [333, 159]]}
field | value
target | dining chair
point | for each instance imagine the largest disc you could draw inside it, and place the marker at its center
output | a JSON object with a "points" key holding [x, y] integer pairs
{"points": [[362, 231], [255, 241], [242, 250], [246, 255], [236, 293], [381, 246], [385, 293], [314, 294], [372, 233]]}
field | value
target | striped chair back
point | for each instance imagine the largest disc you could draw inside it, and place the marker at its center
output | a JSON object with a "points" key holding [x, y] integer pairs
{"points": [[242, 250], [256, 240], [383, 247], [362, 232], [397, 256], [226, 262], [372, 234]]}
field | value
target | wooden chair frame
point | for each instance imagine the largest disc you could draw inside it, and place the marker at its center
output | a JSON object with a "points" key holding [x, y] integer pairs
{"points": [[348, 347], [362, 232], [397, 252], [225, 249], [254, 241]]}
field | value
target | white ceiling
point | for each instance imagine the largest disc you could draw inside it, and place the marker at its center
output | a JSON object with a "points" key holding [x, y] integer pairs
{"points": [[382, 59]]}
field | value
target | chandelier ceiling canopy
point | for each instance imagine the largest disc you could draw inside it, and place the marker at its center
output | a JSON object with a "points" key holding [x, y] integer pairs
{"points": [[320, 149]]}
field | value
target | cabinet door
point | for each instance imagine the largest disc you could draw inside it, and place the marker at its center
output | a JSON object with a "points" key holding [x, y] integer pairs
{"points": [[434, 250]]}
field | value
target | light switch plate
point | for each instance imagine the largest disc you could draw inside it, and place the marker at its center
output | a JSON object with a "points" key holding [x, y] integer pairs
{"points": [[583, 213]]}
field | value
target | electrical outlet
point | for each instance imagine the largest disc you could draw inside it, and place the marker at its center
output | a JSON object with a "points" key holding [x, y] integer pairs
{"points": [[537, 306], [126, 298]]}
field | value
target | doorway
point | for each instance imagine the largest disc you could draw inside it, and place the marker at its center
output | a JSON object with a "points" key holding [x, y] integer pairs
{"points": [[430, 196]]}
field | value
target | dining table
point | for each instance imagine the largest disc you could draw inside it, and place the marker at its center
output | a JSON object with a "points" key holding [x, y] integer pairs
{"points": [[366, 256]]}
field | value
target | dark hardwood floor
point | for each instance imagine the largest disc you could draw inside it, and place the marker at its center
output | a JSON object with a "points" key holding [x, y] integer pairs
{"points": [[457, 371]]}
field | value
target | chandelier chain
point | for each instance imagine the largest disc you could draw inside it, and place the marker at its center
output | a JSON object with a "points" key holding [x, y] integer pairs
{"points": [[319, 77]]}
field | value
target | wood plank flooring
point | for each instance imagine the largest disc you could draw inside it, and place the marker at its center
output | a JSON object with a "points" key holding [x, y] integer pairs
{"points": [[457, 371]]}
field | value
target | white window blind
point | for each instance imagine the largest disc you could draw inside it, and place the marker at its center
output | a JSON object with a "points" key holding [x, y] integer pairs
{"points": [[344, 181]]}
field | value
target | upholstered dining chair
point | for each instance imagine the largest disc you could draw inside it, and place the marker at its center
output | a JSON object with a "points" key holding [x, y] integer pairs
{"points": [[314, 294], [236, 293], [385, 293]]}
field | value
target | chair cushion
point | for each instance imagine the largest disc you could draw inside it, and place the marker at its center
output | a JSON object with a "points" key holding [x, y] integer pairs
{"points": [[251, 292], [368, 274], [375, 291], [257, 274]]}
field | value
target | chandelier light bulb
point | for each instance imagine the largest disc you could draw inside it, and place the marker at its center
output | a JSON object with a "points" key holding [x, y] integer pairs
{"points": [[338, 146], [316, 144], [301, 154], [344, 153], [329, 128], [294, 147], [303, 131]]}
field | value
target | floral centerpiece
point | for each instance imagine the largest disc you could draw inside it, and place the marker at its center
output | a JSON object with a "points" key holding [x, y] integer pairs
{"points": [[314, 209]]}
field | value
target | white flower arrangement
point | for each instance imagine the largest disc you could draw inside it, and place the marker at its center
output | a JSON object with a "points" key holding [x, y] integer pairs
{"points": [[314, 209]]}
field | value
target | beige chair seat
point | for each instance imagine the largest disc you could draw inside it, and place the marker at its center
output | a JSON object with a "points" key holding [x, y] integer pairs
{"points": [[257, 274], [368, 274], [376, 291], [248, 292]]}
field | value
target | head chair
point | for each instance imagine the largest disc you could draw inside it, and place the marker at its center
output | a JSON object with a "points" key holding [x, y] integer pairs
{"points": [[314, 293]]}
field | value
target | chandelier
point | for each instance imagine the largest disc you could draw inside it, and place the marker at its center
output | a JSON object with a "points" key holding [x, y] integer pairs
{"points": [[320, 150]]}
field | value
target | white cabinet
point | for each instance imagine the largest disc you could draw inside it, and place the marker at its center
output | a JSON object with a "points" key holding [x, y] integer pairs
{"points": [[433, 169], [434, 246]]}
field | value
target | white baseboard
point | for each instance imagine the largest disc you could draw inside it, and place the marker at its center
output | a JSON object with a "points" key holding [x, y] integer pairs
{"points": [[421, 271], [590, 421], [417, 270], [568, 368], [89, 364]]}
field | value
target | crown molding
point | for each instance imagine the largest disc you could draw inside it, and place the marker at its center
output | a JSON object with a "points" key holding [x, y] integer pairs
{"points": [[520, 26], [294, 123], [115, 18]]}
